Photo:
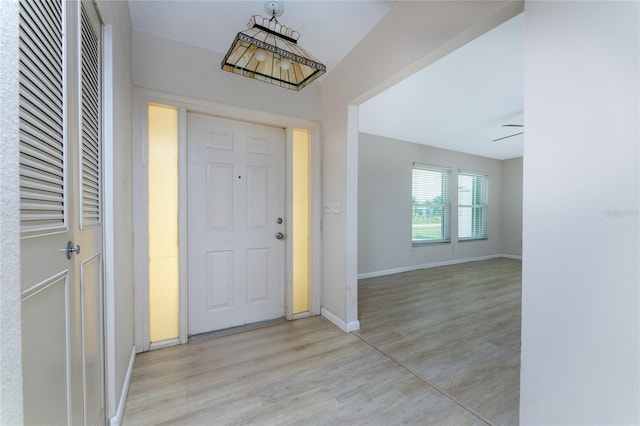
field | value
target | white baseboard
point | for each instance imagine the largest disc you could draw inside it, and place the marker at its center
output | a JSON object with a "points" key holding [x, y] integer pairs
{"points": [[353, 326], [344, 326], [117, 419], [433, 265], [510, 256]]}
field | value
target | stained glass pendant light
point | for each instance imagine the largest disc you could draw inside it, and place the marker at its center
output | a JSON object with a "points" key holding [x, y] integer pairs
{"points": [[269, 52]]}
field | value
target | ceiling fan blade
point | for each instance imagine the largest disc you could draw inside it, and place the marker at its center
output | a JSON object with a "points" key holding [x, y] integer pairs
{"points": [[513, 125], [505, 137]]}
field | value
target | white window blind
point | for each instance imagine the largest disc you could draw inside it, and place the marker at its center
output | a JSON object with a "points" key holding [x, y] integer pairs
{"points": [[430, 205], [42, 144], [472, 206], [91, 133]]}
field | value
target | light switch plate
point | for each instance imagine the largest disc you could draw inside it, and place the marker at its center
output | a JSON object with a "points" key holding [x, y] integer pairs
{"points": [[331, 207]]}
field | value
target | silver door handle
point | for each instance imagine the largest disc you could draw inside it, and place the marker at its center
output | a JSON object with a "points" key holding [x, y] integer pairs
{"points": [[71, 249], [280, 236]]}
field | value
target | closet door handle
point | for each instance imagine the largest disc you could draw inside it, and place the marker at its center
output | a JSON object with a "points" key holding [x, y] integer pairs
{"points": [[71, 249]]}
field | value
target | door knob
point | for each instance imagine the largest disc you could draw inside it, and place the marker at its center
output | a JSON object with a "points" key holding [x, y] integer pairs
{"points": [[71, 249], [280, 236]]}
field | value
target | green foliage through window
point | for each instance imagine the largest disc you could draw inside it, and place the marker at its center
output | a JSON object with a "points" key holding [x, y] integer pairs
{"points": [[430, 207]]}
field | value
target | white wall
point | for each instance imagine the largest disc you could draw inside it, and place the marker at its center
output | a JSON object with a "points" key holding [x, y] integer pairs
{"points": [[10, 324], [411, 36], [512, 206], [118, 194], [178, 68], [384, 205], [580, 297]]}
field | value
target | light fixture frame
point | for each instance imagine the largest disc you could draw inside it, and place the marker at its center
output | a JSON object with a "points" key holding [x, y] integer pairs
{"points": [[284, 45]]}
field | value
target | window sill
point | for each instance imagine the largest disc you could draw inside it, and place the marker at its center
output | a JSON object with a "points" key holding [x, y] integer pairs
{"points": [[464, 240], [429, 243]]}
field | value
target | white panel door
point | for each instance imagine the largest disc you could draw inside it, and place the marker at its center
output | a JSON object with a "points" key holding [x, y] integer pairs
{"points": [[60, 168], [235, 213], [88, 231], [50, 381]]}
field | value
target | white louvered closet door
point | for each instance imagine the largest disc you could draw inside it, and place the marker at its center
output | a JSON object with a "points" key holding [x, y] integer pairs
{"points": [[60, 183]]}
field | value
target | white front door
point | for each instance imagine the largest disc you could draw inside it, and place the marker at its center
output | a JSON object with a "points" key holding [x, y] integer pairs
{"points": [[235, 219], [60, 192]]}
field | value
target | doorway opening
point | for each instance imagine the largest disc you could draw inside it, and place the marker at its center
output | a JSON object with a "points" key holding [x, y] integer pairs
{"points": [[300, 205], [401, 133]]}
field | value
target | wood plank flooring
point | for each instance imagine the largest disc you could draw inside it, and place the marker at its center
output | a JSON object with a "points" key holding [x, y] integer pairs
{"points": [[456, 327], [452, 363]]}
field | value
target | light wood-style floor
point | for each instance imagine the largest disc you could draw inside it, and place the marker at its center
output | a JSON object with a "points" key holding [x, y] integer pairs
{"points": [[436, 347], [456, 327]]}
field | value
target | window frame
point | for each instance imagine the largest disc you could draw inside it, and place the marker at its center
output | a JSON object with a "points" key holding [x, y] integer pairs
{"points": [[483, 206], [446, 204]]}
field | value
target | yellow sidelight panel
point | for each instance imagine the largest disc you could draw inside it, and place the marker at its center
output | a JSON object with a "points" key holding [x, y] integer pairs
{"points": [[301, 181], [162, 160]]}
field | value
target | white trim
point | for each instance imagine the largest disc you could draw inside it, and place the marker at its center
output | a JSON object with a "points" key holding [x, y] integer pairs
{"points": [[353, 326], [164, 343], [333, 318], [344, 326], [431, 168], [315, 222], [139, 205], [183, 313], [288, 218], [301, 315], [226, 111], [108, 211], [510, 256], [117, 419], [433, 265], [472, 173], [351, 219], [141, 97]]}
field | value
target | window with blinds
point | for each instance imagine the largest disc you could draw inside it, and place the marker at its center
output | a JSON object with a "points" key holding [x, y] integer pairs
{"points": [[90, 166], [42, 143], [472, 206], [430, 205]]}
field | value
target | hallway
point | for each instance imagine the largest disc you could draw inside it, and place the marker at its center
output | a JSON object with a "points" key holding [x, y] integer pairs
{"points": [[310, 372]]}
